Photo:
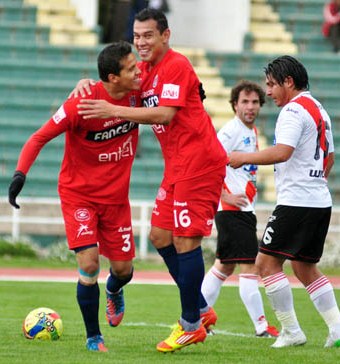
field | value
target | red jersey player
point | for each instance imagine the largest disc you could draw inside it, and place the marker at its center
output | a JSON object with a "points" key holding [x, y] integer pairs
{"points": [[194, 167], [94, 184]]}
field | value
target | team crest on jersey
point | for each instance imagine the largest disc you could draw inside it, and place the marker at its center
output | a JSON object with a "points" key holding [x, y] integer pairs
{"points": [[133, 101], [155, 81], [82, 214], [161, 195], [246, 141], [59, 115]]}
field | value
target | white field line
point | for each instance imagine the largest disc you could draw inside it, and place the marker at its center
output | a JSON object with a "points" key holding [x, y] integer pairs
{"points": [[34, 278], [216, 331], [145, 324]]}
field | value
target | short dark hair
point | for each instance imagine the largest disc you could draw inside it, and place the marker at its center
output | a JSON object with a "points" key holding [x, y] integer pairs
{"points": [[248, 87], [154, 14], [288, 66], [109, 59]]}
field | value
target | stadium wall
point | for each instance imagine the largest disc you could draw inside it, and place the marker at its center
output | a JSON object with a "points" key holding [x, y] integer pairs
{"points": [[42, 216], [209, 24]]}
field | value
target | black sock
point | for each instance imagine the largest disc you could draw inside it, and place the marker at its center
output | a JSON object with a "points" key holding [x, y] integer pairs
{"points": [[114, 284], [170, 257], [88, 300]]}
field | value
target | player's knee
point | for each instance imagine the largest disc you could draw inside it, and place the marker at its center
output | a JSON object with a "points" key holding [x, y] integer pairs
{"points": [[88, 277], [227, 269], [153, 237], [160, 238], [157, 240], [123, 272]]}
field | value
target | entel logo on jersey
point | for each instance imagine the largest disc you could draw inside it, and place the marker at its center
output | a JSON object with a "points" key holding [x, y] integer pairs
{"points": [[59, 115], [124, 151], [170, 91]]}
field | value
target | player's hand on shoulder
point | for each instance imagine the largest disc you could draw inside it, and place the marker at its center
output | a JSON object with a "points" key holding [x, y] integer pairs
{"points": [[90, 109], [83, 88]]}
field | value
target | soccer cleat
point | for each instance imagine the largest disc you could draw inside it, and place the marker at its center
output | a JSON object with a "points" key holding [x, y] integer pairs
{"points": [[179, 338], [96, 343], [270, 331], [115, 307], [333, 341], [289, 339], [209, 318]]}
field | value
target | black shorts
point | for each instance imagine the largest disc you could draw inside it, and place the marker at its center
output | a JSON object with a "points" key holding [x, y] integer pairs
{"points": [[236, 237], [296, 233]]}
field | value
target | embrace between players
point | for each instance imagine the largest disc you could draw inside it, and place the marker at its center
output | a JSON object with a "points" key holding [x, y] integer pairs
{"points": [[199, 178]]}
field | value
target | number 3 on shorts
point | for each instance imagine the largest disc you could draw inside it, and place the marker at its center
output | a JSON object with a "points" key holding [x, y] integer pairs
{"points": [[182, 219], [127, 243]]}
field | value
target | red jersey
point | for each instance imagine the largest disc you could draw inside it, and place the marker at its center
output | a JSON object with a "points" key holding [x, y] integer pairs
{"points": [[331, 15], [189, 143], [98, 152]]}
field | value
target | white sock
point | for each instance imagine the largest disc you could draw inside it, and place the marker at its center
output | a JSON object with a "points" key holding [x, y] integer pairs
{"points": [[252, 299], [212, 284], [280, 296], [322, 294]]}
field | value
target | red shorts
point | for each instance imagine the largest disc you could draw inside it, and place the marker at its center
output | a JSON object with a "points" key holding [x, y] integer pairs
{"points": [[110, 226], [188, 208]]}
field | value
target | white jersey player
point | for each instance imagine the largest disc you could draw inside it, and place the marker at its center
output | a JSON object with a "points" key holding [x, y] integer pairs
{"points": [[303, 156], [237, 241]]}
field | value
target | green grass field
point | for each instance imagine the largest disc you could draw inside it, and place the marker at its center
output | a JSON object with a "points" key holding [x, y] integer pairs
{"points": [[150, 311]]}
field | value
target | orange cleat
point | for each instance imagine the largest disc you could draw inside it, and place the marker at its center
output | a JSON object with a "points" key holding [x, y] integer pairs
{"points": [[209, 318], [270, 331], [179, 338]]}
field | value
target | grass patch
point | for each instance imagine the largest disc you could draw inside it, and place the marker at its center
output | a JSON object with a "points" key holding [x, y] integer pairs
{"points": [[150, 311], [58, 256]]}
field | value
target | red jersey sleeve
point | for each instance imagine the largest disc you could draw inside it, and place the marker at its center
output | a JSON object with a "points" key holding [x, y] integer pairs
{"points": [[57, 125], [177, 82]]}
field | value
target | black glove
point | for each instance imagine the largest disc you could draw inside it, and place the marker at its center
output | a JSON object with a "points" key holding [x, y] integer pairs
{"points": [[15, 187], [201, 91]]}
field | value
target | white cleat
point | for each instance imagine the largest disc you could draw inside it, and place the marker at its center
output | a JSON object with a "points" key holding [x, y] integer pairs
{"points": [[333, 341], [289, 339]]}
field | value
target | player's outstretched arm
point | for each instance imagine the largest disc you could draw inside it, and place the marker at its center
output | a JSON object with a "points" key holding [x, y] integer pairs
{"points": [[90, 109], [15, 187], [276, 154]]}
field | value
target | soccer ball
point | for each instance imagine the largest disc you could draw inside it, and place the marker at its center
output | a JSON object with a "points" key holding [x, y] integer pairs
{"points": [[43, 324]]}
